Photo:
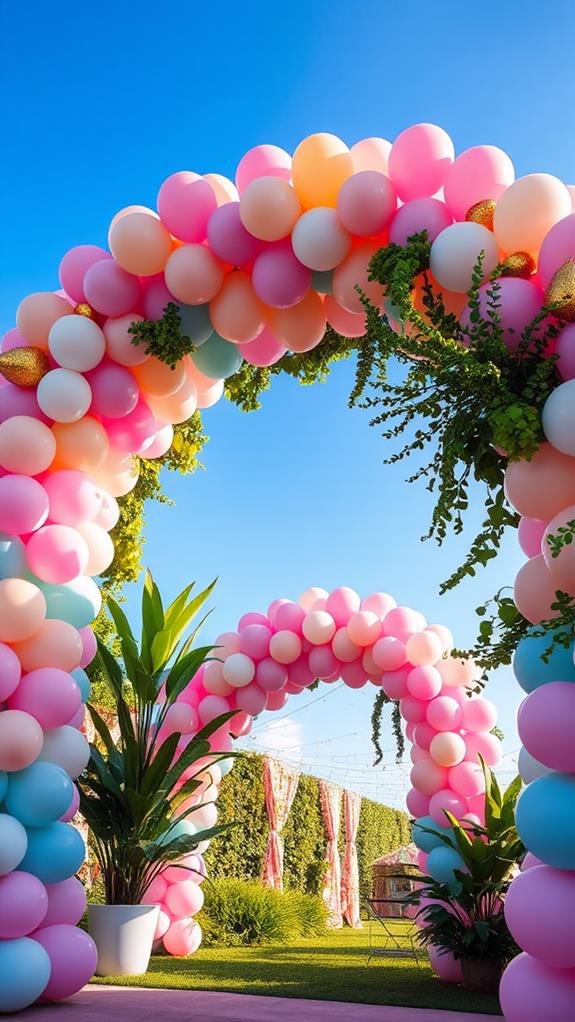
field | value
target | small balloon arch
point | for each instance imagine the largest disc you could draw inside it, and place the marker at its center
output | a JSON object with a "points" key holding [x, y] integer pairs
{"points": [[301, 261]]}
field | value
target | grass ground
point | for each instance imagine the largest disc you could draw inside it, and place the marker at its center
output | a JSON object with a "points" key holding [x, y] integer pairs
{"points": [[330, 968]]}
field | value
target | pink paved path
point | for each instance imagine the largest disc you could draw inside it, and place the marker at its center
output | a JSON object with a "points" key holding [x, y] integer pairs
{"points": [[108, 1004]]}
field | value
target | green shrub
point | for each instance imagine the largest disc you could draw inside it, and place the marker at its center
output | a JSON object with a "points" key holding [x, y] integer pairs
{"points": [[244, 912]]}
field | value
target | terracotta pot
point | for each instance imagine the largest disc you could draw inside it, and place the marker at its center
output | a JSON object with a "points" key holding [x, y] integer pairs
{"points": [[481, 975]]}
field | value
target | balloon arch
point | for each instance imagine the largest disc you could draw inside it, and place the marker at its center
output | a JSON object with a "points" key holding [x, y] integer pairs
{"points": [[255, 270]]}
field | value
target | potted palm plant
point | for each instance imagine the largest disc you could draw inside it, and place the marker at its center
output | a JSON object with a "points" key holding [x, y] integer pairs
{"points": [[465, 916], [132, 787]]}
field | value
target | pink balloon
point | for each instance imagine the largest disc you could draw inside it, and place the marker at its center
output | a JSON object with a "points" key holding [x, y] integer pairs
{"points": [[271, 676], [181, 718], [566, 351], [545, 721], [299, 673], [394, 683], [364, 628], [484, 744], [467, 779], [535, 590], [252, 699], [558, 247], [417, 803], [74, 266], [10, 672], [539, 911], [483, 172], [73, 959], [428, 777], [50, 695], [400, 621], [341, 604], [542, 487], [184, 898], [23, 904], [344, 649], [155, 298], [378, 603], [278, 277], [354, 674], [425, 214], [13, 339], [23, 504], [114, 391], [519, 301], [277, 700], [263, 161], [228, 238], [16, 401], [444, 713], [446, 800], [161, 442], [424, 682], [531, 991], [424, 734], [73, 497], [134, 432], [183, 937], [322, 662], [479, 714], [530, 534], [111, 290], [255, 641], [66, 902], [412, 709], [75, 803], [21, 740], [253, 617], [57, 553], [185, 203], [265, 350], [419, 161], [366, 203], [89, 646], [289, 617], [444, 964], [212, 707]]}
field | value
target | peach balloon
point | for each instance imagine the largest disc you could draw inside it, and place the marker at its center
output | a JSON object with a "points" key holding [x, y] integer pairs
{"points": [[140, 243], [457, 672], [371, 154], [21, 740], [27, 446], [423, 648], [223, 189], [562, 567], [302, 326], [193, 274], [353, 273], [37, 314], [55, 644], [119, 342], [527, 210], [82, 445], [535, 590], [100, 547], [178, 407], [321, 164], [448, 749], [542, 487], [158, 379], [236, 312], [269, 208], [348, 324], [22, 609], [208, 391]]}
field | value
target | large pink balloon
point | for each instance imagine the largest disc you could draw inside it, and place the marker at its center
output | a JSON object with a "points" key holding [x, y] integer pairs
{"points": [[419, 161], [425, 214], [21, 740], [519, 302], [542, 487], [535, 591], [445, 965], [183, 937], [539, 910], [50, 695], [73, 958], [10, 672], [558, 247], [57, 553], [483, 172], [23, 904], [185, 203], [546, 724], [23, 504], [531, 991]]}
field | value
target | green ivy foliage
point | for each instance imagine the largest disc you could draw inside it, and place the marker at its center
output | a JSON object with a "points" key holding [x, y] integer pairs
{"points": [[240, 851]]}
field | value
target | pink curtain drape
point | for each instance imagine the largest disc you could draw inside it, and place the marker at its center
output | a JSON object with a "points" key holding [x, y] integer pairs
{"points": [[280, 783], [330, 798], [350, 871]]}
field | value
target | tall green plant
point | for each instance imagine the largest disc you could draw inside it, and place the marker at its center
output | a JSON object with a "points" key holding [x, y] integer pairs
{"points": [[465, 916], [131, 792]]}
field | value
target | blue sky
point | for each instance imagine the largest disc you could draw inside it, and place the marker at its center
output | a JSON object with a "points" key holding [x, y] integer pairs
{"points": [[100, 104]]}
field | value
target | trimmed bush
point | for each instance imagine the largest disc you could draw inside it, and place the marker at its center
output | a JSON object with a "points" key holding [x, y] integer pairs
{"points": [[244, 912]]}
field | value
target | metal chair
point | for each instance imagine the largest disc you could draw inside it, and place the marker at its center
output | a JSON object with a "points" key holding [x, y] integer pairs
{"points": [[397, 929]]}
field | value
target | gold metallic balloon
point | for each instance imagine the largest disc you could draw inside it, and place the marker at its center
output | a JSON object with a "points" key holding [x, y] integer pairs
{"points": [[518, 264], [83, 309], [24, 366], [560, 292], [482, 213]]}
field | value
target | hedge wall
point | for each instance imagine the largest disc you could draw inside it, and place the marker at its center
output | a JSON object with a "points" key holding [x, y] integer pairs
{"points": [[240, 852]]}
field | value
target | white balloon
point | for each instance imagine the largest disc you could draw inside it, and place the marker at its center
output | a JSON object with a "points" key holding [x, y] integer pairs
{"points": [[13, 843], [558, 418], [64, 395], [530, 768], [319, 240], [76, 342], [68, 748], [455, 253], [239, 670], [204, 816]]}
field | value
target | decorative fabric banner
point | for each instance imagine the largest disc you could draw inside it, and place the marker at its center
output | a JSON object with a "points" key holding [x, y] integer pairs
{"points": [[350, 872], [330, 798], [281, 784]]}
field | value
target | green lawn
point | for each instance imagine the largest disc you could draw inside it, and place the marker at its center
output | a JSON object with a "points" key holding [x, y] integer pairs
{"points": [[331, 968]]}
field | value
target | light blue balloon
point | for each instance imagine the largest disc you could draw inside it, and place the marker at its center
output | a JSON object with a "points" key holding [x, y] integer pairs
{"points": [[12, 557], [322, 281], [77, 602], [532, 672], [196, 323], [185, 828], [24, 973], [217, 358], [39, 795], [54, 853], [545, 819], [441, 862], [392, 310], [226, 765], [83, 682], [3, 784], [424, 841]]}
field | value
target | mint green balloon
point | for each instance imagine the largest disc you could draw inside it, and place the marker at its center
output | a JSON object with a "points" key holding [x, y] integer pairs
{"points": [[77, 602], [217, 358], [322, 281]]}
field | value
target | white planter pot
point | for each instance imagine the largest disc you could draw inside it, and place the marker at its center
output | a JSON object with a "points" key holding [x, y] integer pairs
{"points": [[123, 935]]}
